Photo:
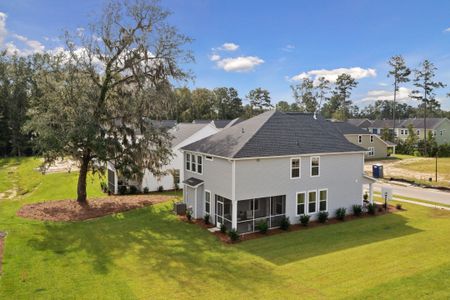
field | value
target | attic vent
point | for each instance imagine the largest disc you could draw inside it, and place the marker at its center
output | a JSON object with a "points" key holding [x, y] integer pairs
{"points": [[315, 116], [243, 130]]}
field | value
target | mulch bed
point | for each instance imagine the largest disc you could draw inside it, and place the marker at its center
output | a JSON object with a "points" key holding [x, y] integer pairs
{"points": [[70, 210], [294, 227]]}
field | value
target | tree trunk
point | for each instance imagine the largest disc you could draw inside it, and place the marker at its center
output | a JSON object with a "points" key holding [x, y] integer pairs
{"points": [[393, 110], [81, 189]]}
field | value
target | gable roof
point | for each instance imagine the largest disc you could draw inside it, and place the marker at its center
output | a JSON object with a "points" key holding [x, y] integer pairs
{"points": [[347, 128], [183, 131], [418, 123], [275, 133], [360, 122], [386, 123]]}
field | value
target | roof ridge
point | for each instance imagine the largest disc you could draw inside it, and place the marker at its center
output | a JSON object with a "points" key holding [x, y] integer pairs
{"points": [[253, 135]]}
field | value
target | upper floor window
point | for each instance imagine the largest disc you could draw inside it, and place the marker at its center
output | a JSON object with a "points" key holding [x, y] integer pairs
{"points": [[359, 139], [315, 166], [188, 161], [441, 132], [371, 138], [295, 167], [199, 164], [371, 151]]}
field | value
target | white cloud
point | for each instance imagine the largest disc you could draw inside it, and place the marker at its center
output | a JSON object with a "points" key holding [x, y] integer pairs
{"points": [[229, 47], [447, 30], [332, 75], [214, 57], [240, 63], [34, 46], [373, 95], [288, 48], [3, 31]]}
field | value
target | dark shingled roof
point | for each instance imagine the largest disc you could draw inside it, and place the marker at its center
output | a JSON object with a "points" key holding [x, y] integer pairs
{"points": [[360, 122], [275, 133], [193, 181], [418, 123], [386, 123], [347, 128]]}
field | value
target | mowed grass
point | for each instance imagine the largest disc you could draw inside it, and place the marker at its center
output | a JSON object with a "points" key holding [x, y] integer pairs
{"points": [[149, 254]]}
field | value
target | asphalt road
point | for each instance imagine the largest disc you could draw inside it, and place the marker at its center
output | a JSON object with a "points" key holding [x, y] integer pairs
{"points": [[416, 192]]}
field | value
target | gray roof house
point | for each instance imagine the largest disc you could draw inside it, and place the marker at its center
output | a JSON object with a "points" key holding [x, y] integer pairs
{"points": [[220, 124], [376, 147], [270, 166], [361, 123]]}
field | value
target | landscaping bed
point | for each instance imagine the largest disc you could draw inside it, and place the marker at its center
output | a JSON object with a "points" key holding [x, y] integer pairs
{"points": [[70, 210]]}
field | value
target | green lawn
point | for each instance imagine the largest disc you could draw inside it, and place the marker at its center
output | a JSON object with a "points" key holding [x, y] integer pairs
{"points": [[149, 253]]}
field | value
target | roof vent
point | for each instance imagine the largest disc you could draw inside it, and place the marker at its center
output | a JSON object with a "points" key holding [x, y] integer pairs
{"points": [[243, 130]]}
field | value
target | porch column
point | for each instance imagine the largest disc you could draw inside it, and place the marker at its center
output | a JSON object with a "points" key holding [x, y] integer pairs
{"points": [[234, 214], [371, 193]]}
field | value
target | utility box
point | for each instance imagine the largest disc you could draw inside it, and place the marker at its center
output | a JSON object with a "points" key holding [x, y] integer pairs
{"points": [[377, 171], [179, 208]]}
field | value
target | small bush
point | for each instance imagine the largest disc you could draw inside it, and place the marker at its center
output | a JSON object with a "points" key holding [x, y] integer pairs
{"points": [[146, 190], [262, 227], [104, 186], [323, 216], [371, 208], [123, 189], [357, 210], [234, 235], [304, 220], [206, 219], [340, 213], [399, 206], [223, 228], [160, 188], [177, 186], [189, 214], [285, 223], [133, 190], [366, 196]]}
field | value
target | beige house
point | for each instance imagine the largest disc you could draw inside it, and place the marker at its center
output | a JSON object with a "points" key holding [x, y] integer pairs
{"points": [[376, 147]]}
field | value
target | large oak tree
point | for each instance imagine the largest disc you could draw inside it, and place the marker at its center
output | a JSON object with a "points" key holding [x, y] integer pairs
{"points": [[93, 98]]}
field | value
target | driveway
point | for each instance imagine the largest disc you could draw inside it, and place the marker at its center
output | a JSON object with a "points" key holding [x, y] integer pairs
{"points": [[416, 192]]}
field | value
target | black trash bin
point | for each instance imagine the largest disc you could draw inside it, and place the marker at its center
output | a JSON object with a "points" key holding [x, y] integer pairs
{"points": [[377, 171]]}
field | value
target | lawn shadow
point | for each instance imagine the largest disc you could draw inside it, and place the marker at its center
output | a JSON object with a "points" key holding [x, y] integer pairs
{"points": [[299, 245], [155, 242]]}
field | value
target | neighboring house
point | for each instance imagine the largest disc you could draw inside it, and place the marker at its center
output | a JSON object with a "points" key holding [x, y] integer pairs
{"points": [[377, 126], [270, 166], [376, 147], [183, 134], [220, 124], [438, 127], [361, 123]]}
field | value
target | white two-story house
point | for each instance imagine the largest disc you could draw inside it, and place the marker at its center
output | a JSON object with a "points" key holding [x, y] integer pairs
{"points": [[270, 166]]}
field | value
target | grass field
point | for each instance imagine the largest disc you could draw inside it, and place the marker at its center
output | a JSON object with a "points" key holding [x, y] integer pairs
{"points": [[149, 253]]}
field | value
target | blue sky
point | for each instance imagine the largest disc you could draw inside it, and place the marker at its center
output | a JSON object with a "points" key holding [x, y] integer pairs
{"points": [[249, 44]]}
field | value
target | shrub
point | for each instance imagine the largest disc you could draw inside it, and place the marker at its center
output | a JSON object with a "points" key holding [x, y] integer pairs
{"points": [[223, 228], [160, 188], [340, 213], [133, 190], [262, 227], [371, 208], [206, 219], [177, 186], [146, 190], [323, 216], [399, 206], [189, 214], [104, 186], [123, 189], [365, 196], [304, 220], [357, 210], [234, 235], [285, 223]]}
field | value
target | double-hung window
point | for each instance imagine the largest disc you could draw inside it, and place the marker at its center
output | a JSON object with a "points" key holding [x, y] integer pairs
{"points": [[199, 164], [323, 200], [300, 204], [208, 202], [371, 151], [188, 161], [371, 138], [295, 167], [315, 166], [359, 139], [193, 163], [312, 202]]}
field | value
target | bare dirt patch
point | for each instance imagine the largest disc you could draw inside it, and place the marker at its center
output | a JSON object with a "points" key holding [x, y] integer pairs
{"points": [[70, 210]]}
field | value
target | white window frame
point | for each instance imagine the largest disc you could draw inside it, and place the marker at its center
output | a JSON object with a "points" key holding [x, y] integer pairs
{"points": [[441, 132], [304, 203], [359, 139], [299, 167], [204, 205], [319, 200], [311, 166], [371, 151], [199, 164], [307, 203], [371, 138], [188, 162]]}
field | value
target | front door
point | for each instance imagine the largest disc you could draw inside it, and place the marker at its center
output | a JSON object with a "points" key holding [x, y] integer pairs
{"points": [[219, 214]]}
